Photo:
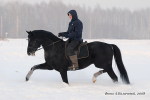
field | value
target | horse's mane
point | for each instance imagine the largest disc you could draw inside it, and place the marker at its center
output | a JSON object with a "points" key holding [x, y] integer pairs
{"points": [[45, 34]]}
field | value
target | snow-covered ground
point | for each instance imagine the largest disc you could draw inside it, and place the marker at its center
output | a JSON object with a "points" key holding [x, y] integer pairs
{"points": [[47, 85]]}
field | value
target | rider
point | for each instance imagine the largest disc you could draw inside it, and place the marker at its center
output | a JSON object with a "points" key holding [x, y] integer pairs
{"points": [[74, 33]]}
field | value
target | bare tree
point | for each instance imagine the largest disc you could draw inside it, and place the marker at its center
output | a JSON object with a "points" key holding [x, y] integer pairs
{"points": [[16, 18]]}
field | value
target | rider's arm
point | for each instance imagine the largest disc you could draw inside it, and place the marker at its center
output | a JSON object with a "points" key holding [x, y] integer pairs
{"points": [[77, 31]]}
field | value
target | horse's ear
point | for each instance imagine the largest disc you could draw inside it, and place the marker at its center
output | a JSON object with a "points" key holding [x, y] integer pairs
{"points": [[29, 32]]}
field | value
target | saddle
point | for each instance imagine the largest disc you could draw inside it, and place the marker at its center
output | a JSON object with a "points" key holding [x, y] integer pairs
{"points": [[81, 50]]}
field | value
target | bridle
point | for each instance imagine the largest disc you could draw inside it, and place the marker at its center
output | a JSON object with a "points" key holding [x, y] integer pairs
{"points": [[49, 45]]}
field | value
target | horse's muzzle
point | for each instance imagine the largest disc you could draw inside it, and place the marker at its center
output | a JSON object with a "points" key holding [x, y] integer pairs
{"points": [[31, 52]]}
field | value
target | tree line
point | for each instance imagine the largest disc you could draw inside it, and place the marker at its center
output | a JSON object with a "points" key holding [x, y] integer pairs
{"points": [[115, 23]]}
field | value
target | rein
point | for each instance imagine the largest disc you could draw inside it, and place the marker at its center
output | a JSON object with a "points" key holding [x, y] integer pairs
{"points": [[49, 45]]}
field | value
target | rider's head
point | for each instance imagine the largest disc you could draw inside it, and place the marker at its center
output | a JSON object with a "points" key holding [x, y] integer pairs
{"points": [[72, 15]]}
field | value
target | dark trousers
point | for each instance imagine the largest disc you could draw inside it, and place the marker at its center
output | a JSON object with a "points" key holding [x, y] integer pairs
{"points": [[71, 46]]}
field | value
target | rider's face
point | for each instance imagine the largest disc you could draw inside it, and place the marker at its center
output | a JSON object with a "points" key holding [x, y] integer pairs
{"points": [[70, 16]]}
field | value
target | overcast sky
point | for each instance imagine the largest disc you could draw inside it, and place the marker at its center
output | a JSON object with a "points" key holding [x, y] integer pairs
{"points": [[128, 4]]}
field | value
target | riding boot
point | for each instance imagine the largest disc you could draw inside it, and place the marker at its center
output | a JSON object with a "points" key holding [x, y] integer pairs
{"points": [[74, 60]]}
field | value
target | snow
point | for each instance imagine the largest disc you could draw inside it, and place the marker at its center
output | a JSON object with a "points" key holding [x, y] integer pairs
{"points": [[48, 85]]}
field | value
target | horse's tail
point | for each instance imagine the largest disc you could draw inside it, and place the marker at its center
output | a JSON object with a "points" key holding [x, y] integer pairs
{"points": [[120, 65]]}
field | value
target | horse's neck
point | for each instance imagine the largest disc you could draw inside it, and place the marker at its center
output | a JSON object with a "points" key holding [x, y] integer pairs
{"points": [[48, 45]]}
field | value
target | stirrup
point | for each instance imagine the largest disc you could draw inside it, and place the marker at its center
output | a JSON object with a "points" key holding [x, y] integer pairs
{"points": [[73, 68]]}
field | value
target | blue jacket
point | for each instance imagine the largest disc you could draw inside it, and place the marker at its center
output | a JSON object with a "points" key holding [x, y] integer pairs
{"points": [[75, 27]]}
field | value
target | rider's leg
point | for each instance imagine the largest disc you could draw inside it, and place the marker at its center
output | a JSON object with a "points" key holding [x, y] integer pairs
{"points": [[71, 53], [74, 60]]}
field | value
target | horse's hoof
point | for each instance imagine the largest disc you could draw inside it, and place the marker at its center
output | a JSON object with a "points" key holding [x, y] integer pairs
{"points": [[94, 79], [65, 84], [27, 79]]}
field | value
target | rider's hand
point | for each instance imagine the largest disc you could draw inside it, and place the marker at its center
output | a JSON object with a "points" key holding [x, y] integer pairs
{"points": [[59, 34]]}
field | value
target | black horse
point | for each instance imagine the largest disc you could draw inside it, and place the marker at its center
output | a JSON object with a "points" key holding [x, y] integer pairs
{"points": [[100, 54]]}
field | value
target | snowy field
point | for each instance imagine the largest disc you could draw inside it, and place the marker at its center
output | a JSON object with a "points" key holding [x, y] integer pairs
{"points": [[47, 85]]}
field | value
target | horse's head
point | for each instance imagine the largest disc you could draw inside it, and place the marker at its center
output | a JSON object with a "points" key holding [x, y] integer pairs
{"points": [[34, 43], [39, 38]]}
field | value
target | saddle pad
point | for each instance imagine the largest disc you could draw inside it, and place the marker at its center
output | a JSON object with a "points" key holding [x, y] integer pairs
{"points": [[83, 51]]}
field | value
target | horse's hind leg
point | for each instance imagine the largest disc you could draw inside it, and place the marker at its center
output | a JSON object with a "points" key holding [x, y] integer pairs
{"points": [[43, 66], [112, 74], [97, 74]]}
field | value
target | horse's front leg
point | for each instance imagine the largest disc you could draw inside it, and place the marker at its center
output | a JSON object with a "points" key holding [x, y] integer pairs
{"points": [[43, 66], [64, 76]]}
